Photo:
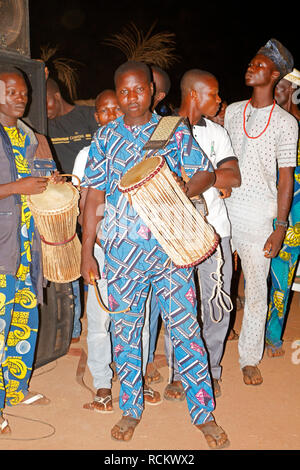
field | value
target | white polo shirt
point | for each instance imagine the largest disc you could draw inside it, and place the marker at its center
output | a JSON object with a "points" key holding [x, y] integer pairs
{"points": [[215, 142]]}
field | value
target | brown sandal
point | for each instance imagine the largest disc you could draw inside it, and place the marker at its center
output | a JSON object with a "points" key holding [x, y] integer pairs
{"points": [[151, 396]]}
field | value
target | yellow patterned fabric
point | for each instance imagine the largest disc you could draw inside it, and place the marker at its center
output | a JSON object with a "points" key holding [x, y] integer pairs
{"points": [[18, 302]]}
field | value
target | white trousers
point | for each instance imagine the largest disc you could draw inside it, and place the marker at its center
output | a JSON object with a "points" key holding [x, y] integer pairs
{"points": [[256, 269]]}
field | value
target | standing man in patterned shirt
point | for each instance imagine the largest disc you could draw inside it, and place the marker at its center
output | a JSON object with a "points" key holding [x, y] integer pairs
{"points": [[134, 259], [263, 136]]}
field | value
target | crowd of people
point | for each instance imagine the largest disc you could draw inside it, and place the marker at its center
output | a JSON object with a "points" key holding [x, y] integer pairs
{"points": [[237, 163]]}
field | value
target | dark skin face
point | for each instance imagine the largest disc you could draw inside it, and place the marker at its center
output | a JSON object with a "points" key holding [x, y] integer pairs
{"points": [[260, 72], [283, 91], [107, 108], [134, 93], [53, 104], [15, 99], [207, 96]]}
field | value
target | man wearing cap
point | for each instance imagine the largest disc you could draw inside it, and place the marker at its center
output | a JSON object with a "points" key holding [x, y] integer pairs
{"points": [[264, 137], [284, 265]]}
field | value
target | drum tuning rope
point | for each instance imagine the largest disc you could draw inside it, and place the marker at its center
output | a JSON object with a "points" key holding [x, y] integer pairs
{"points": [[218, 292]]}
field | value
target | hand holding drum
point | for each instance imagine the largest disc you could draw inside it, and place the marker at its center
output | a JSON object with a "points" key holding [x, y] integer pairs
{"points": [[31, 185]]}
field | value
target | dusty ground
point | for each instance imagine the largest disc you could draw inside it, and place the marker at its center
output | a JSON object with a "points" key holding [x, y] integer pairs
{"points": [[265, 417]]}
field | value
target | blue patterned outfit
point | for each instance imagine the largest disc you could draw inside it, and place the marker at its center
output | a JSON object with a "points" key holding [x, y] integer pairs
{"points": [[134, 260]]}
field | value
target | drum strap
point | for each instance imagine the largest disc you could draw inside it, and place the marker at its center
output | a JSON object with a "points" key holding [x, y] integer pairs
{"points": [[163, 132], [160, 138]]}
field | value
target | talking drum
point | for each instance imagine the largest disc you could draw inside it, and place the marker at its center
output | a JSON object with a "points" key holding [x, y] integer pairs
{"points": [[55, 214], [170, 215]]}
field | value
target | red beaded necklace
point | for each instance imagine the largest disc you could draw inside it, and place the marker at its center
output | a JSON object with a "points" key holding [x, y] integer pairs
{"points": [[244, 121]]}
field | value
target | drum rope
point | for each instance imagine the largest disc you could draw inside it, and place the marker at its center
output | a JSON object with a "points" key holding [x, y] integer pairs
{"points": [[171, 352], [218, 291]]}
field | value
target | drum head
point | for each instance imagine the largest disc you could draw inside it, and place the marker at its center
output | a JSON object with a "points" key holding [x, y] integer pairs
{"points": [[55, 196], [140, 172]]}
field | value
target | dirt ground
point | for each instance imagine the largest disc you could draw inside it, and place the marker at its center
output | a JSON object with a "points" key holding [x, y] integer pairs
{"points": [[265, 417]]}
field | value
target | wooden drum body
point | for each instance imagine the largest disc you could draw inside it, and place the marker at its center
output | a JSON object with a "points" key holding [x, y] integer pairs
{"points": [[170, 215], [55, 214]]}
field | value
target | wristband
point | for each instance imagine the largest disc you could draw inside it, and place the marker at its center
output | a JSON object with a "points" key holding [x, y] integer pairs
{"points": [[281, 223]]}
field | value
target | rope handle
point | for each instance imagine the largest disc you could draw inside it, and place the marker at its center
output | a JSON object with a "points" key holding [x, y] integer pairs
{"points": [[100, 302]]}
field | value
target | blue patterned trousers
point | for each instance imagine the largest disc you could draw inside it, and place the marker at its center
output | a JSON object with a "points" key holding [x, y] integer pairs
{"points": [[175, 291]]}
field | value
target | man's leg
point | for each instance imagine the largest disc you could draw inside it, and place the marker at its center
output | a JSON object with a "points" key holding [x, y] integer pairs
{"points": [[180, 318], [152, 311], [99, 340], [77, 310], [215, 313], [281, 273], [251, 342], [175, 290]]}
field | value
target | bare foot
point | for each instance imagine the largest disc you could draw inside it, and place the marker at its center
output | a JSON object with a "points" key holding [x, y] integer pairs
{"points": [[152, 374], [275, 352], [215, 436], [102, 402], [252, 375], [124, 429], [174, 391]]}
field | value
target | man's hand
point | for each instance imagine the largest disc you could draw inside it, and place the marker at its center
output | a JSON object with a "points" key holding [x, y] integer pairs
{"points": [[274, 243], [225, 192], [56, 177], [30, 185], [180, 182], [89, 269]]}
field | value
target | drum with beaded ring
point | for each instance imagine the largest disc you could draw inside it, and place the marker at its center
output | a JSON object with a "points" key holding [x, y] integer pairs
{"points": [[55, 213], [180, 229]]}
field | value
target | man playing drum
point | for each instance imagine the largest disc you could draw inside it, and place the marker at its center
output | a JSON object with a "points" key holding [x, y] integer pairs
{"points": [[20, 253], [134, 260]]}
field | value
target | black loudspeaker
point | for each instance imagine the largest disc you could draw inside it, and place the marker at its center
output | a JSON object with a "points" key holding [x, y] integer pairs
{"points": [[57, 313], [15, 50], [14, 26], [56, 324]]}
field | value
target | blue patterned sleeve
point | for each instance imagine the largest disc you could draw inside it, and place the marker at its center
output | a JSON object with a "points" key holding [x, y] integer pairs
{"points": [[95, 175], [193, 158]]}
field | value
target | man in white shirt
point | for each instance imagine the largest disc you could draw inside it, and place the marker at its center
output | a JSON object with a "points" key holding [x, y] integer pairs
{"points": [[200, 100], [264, 137]]}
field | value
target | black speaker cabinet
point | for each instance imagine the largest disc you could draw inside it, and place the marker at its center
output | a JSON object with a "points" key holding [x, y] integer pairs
{"points": [[56, 324], [14, 26]]}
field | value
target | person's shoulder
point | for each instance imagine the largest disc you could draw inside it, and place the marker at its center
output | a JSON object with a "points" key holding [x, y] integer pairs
{"points": [[84, 109], [286, 117], [214, 127], [236, 107], [103, 131]]}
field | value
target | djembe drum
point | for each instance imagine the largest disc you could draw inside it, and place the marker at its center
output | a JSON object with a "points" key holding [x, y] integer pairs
{"points": [[55, 214], [170, 215]]}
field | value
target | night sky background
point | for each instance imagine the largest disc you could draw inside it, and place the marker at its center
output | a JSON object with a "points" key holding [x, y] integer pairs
{"points": [[220, 38]]}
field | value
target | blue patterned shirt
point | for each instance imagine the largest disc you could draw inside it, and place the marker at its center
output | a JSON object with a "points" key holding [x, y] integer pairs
{"points": [[115, 149]]}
